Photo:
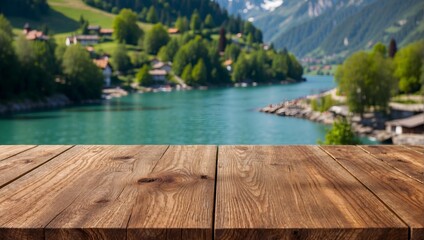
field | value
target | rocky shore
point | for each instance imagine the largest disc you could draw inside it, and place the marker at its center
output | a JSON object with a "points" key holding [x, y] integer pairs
{"points": [[372, 125], [55, 101]]}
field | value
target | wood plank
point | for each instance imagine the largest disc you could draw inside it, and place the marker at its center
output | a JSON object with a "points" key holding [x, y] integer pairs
{"points": [[20, 164], [7, 151], [35, 199], [294, 192], [104, 206], [403, 159], [418, 148], [176, 199], [404, 195]]}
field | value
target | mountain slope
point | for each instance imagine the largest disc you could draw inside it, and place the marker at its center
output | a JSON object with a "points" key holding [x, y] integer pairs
{"points": [[326, 27]]}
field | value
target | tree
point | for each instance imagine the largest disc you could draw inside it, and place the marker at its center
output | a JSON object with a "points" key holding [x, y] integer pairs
{"points": [[120, 59], [83, 25], [156, 38], [341, 134], [295, 69], [151, 15], [209, 23], [380, 48], [139, 58], [182, 24], [83, 80], [195, 22], [241, 69], [143, 77], [408, 67], [232, 51], [190, 53], [392, 48], [198, 73], [125, 28], [8, 65], [187, 76], [367, 81], [280, 66], [5, 26], [222, 40]]}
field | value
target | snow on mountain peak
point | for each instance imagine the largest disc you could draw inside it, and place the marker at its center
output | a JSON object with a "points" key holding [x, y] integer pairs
{"points": [[271, 5]]}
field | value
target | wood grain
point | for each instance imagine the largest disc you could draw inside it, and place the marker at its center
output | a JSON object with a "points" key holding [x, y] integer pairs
{"points": [[404, 195], [292, 192], [418, 148], [403, 159], [7, 151], [20, 164], [104, 206], [34, 200], [176, 199]]}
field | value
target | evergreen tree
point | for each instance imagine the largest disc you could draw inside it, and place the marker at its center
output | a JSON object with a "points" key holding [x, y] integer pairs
{"points": [[392, 48], [187, 76], [241, 69], [5, 26], [198, 73], [8, 63], [143, 77], [222, 40], [209, 23], [151, 15], [195, 22], [182, 24]]}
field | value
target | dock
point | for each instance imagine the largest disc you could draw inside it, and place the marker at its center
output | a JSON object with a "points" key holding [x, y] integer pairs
{"points": [[211, 192]]}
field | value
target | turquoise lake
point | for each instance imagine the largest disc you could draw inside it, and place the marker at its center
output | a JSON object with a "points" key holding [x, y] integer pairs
{"points": [[216, 116]]}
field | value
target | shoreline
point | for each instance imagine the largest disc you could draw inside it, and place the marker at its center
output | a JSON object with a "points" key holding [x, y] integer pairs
{"points": [[372, 125]]}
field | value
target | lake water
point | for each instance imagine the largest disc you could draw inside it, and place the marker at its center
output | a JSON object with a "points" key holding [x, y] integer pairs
{"points": [[217, 116]]}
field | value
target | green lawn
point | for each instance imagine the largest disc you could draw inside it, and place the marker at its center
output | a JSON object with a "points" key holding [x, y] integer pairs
{"points": [[64, 16]]}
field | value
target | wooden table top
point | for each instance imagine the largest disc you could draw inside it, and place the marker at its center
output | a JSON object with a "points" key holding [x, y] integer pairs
{"points": [[211, 192]]}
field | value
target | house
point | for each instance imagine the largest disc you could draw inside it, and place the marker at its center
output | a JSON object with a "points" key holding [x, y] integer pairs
{"points": [[228, 64], [106, 32], [167, 66], [173, 31], [158, 75], [33, 35], [83, 40], [154, 61], [94, 29], [104, 65], [410, 125]]}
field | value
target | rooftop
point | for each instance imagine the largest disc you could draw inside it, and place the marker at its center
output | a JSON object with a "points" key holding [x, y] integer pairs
{"points": [[411, 122]]}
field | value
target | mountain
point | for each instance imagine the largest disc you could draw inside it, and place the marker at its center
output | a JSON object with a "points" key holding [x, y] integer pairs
{"points": [[326, 27]]}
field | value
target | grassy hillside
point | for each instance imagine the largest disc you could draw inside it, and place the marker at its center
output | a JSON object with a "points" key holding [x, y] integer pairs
{"points": [[63, 17]]}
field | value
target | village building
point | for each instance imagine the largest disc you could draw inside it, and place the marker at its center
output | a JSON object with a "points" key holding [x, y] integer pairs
{"points": [[33, 35], [158, 75], [228, 64], [160, 71], [410, 125], [172, 31], [94, 29], [167, 66], [106, 32], [83, 40], [104, 65]]}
